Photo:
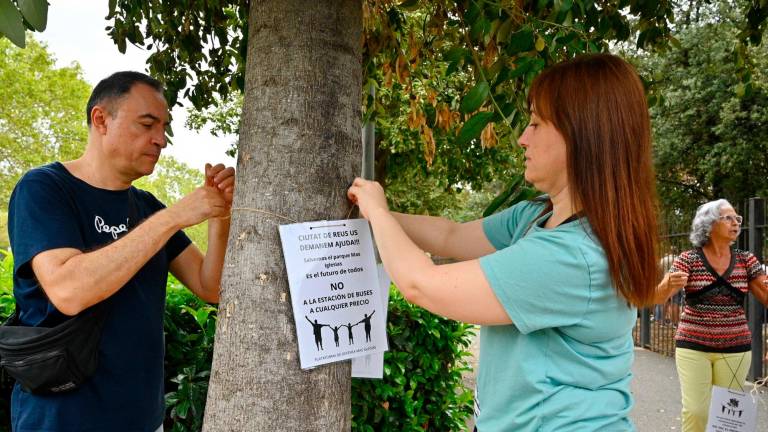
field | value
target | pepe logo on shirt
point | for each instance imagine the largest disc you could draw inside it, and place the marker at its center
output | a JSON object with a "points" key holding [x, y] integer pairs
{"points": [[102, 227]]}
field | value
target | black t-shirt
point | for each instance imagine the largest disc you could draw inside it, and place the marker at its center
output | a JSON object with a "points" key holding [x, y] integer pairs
{"points": [[50, 209]]}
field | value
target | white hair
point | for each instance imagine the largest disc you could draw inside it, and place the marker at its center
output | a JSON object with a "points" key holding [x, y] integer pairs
{"points": [[706, 216]]}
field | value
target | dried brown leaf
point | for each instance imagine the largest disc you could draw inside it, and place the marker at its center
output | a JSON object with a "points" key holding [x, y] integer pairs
{"points": [[429, 144], [488, 137]]}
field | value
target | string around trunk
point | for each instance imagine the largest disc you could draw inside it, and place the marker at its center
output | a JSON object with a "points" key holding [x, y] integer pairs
{"points": [[250, 209]]}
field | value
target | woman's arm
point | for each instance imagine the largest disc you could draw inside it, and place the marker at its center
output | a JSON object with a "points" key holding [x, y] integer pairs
{"points": [[445, 238], [669, 285], [458, 291], [759, 289]]}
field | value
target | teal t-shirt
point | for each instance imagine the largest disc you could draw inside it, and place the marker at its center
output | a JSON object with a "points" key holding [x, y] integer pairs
{"points": [[564, 363]]}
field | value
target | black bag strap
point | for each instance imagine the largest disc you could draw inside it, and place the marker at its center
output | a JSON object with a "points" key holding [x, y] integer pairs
{"points": [[694, 298], [100, 308]]}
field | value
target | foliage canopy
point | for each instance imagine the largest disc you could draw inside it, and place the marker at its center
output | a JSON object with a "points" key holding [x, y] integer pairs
{"points": [[710, 139]]}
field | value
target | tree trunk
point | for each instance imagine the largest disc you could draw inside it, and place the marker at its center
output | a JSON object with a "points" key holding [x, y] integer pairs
{"points": [[299, 150]]}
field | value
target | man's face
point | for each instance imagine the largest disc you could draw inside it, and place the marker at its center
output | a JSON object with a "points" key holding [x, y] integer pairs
{"points": [[135, 133]]}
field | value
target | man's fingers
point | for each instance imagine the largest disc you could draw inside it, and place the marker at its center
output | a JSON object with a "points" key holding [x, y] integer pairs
{"points": [[225, 183], [223, 174], [216, 169], [208, 176]]}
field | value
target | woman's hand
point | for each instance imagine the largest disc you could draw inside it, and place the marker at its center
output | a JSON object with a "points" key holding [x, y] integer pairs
{"points": [[677, 280], [669, 285], [368, 195]]}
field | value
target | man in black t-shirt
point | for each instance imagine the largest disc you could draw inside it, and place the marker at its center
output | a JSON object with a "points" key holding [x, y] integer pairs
{"points": [[75, 245]]}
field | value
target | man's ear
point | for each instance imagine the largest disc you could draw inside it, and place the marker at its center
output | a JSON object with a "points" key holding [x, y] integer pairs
{"points": [[99, 115]]}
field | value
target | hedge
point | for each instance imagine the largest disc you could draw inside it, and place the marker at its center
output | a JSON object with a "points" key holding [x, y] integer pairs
{"points": [[422, 387]]}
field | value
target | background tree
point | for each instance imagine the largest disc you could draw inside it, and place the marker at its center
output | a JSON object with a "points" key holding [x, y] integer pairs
{"points": [[710, 112], [16, 16], [463, 65], [41, 118]]}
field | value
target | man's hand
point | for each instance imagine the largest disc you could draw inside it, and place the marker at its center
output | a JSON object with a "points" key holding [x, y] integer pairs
{"points": [[223, 179], [214, 200], [202, 274], [201, 204]]}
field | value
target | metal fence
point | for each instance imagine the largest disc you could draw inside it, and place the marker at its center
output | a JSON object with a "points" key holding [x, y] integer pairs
{"points": [[656, 326]]}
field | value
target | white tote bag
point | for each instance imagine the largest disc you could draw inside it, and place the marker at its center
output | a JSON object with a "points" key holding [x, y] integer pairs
{"points": [[731, 411]]}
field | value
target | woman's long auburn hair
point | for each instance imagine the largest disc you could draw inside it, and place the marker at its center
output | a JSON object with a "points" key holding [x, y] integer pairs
{"points": [[598, 104]]}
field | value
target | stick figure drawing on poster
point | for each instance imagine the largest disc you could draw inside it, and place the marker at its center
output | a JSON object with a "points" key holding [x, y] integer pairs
{"points": [[367, 321], [316, 329], [336, 334], [349, 331]]}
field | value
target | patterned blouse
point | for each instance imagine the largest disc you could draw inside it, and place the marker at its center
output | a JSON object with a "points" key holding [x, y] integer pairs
{"points": [[715, 321]]}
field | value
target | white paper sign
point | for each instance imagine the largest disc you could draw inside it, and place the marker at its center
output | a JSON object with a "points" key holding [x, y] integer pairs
{"points": [[731, 411], [372, 365], [334, 290]]}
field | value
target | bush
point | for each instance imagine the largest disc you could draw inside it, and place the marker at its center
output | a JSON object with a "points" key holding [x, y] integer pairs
{"points": [[190, 325], [422, 387], [189, 328], [6, 309]]}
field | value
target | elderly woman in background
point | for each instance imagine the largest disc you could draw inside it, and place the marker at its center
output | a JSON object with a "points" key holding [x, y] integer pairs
{"points": [[713, 339]]}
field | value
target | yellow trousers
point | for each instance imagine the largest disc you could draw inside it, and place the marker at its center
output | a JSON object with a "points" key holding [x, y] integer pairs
{"points": [[698, 372]]}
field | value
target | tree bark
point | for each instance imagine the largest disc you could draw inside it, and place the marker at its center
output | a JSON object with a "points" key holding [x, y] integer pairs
{"points": [[299, 150]]}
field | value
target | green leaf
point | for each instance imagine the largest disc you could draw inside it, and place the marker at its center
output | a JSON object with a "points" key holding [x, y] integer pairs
{"points": [[504, 196], [112, 5], [473, 13], [480, 28], [12, 23], [740, 90], [520, 41], [409, 5], [522, 65], [526, 193], [475, 97], [455, 54], [35, 12], [502, 34], [452, 67], [473, 127]]}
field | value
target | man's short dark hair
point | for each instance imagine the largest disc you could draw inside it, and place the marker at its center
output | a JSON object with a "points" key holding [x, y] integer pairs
{"points": [[116, 86]]}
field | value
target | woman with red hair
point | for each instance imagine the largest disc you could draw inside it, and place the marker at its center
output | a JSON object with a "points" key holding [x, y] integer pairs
{"points": [[553, 282]]}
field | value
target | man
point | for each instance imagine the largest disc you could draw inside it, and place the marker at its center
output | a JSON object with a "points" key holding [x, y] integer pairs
{"points": [[82, 235]]}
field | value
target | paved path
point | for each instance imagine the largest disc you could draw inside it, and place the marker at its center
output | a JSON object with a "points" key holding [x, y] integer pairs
{"points": [[657, 394]]}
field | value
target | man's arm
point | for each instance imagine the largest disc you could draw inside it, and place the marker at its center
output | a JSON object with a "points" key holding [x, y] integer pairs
{"points": [[74, 280], [202, 275]]}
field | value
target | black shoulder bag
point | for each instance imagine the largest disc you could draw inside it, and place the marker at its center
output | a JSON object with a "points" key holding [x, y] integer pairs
{"points": [[50, 360]]}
